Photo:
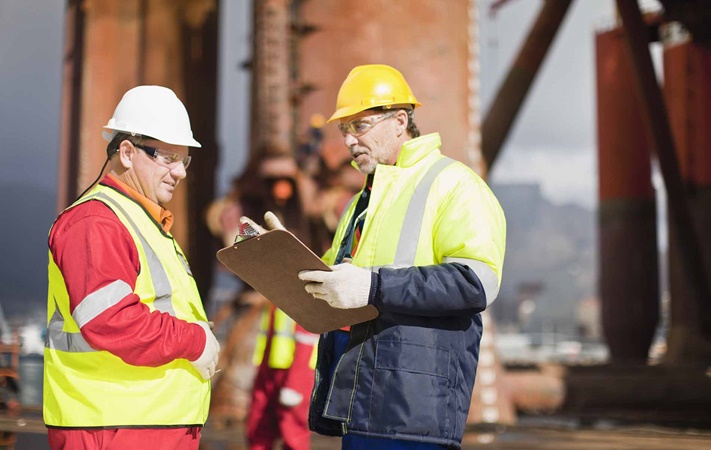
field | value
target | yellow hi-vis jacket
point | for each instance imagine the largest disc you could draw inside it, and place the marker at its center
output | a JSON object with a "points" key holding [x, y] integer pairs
{"points": [[86, 388], [409, 373], [283, 340], [428, 209]]}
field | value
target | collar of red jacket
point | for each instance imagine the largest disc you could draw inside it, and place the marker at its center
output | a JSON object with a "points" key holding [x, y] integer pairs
{"points": [[160, 214]]}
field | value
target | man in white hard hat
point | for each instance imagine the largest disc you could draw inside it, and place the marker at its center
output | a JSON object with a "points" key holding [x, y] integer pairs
{"points": [[129, 353]]}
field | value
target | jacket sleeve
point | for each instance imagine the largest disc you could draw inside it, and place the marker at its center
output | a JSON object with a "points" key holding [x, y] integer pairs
{"points": [[439, 290], [468, 241], [94, 251]]}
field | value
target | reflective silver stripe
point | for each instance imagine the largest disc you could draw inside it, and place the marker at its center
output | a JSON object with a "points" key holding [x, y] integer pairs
{"points": [[185, 262], [99, 301], [284, 333], [57, 339], [306, 338], [161, 284], [411, 226], [486, 275]]}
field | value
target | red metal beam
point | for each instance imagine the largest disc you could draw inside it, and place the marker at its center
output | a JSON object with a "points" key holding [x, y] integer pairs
{"points": [[513, 91]]}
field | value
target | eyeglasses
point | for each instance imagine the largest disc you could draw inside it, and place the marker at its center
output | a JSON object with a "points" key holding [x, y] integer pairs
{"points": [[359, 127], [164, 157]]}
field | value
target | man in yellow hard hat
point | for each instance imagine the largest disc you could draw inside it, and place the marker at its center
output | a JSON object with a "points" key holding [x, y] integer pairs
{"points": [[129, 353], [424, 243]]}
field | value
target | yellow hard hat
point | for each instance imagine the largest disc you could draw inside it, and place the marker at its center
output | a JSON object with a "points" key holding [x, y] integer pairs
{"points": [[371, 86]]}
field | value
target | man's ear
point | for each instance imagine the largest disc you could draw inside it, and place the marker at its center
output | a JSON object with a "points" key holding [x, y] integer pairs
{"points": [[402, 120], [126, 153]]}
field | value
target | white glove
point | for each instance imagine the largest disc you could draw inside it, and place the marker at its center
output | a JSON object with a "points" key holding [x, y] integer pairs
{"points": [[346, 287], [207, 362], [272, 222], [289, 397], [270, 219]]}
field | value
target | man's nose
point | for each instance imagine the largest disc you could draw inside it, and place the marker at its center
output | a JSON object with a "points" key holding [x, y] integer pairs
{"points": [[350, 140], [179, 171]]}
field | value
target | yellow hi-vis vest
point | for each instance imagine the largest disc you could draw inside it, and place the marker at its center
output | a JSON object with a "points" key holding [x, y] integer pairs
{"points": [[428, 209], [84, 387], [283, 343]]}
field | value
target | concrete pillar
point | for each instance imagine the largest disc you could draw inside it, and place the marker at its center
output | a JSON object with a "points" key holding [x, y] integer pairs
{"points": [[629, 287]]}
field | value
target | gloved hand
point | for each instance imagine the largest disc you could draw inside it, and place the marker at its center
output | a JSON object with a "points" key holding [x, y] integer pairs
{"points": [[270, 219], [289, 397], [346, 287], [207, 362]]}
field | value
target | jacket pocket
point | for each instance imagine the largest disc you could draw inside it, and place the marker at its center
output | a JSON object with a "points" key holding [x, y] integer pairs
{"points": [[411, 390]]}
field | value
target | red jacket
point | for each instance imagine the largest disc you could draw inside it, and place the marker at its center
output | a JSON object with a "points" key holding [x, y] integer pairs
{"points": [[92, 248]]}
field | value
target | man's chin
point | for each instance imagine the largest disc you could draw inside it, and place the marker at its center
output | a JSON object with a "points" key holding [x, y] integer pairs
{"points": [[164, 199], [366, 169]]}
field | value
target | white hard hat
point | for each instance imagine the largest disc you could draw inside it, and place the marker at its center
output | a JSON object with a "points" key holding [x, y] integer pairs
{"points": [[153, 111]]}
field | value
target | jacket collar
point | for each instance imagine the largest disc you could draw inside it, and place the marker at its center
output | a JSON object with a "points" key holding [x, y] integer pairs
{"points": [[416, 149]]}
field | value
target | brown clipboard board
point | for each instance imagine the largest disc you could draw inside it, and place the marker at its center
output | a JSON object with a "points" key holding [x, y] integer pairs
{"points": [[270, 263]]}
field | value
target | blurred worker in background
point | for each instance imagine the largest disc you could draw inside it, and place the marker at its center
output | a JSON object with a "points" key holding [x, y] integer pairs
{"points": [[284, 353], [129, 352], [424, 243]]}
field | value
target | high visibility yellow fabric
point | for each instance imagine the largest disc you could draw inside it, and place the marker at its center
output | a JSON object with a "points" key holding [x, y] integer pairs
{"points": [[88, 388], [452, 226], [281, 350]]}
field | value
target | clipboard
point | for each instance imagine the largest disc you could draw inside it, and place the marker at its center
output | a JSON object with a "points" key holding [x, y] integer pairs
{"points": [[270, 263]]}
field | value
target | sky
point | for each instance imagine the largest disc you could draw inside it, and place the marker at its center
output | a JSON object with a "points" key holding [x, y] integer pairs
{"points": [[552, 142]]}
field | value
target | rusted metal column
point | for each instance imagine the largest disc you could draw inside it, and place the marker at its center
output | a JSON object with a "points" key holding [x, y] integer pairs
{"points": [[67, 188], [199, 56], [513, 91], [427, 42], [269, 182], [687, 77], [629, 288], [271, 63], [270, 126], [657, 123], [111, 43]]}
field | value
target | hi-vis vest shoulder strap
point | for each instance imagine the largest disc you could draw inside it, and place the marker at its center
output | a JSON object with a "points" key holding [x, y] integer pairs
{"points": [[84, 387], [283, 340]]}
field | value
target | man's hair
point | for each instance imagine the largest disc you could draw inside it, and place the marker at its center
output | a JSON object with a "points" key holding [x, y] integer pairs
{"points": [[120, 137], [412, 129]]}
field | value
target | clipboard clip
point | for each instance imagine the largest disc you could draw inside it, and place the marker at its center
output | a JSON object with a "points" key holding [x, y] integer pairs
{"points": [[246, 231]]}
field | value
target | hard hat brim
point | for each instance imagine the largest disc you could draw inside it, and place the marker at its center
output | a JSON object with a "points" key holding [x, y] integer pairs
{"points": [[111, 132], [353, 110]]}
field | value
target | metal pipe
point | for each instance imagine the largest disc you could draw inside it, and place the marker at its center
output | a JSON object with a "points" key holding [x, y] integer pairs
{"points": [[513, 91], [656, 119], [67, 185]]}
